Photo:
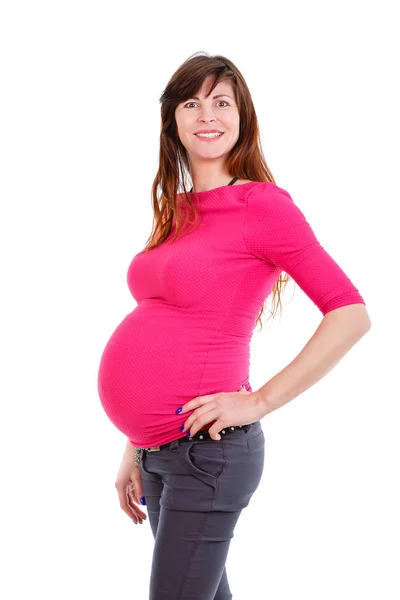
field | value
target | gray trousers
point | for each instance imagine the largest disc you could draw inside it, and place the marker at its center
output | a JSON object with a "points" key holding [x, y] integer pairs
{"points": [[195, 492]]}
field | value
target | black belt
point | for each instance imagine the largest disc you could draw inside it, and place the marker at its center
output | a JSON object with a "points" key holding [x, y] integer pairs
{"points": [[200, 435]]}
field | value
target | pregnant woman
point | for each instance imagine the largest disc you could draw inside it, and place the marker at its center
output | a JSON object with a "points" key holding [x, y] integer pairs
{"points": [[174, 376]]}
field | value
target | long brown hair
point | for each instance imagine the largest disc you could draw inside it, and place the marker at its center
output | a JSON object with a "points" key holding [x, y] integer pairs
{"points": [[245, 160]]}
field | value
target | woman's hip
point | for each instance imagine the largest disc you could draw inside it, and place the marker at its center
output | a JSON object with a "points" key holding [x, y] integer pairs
{"points": [[205, 475]]}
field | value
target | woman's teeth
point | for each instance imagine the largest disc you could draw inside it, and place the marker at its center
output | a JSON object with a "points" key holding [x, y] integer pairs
{"points": [[208, 135]]}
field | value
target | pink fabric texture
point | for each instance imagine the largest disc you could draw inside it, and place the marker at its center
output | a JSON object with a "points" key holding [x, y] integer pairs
{"points": [[198, 299]]}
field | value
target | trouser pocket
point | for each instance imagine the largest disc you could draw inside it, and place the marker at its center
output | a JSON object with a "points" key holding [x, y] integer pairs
{"points": [[203, 459]]}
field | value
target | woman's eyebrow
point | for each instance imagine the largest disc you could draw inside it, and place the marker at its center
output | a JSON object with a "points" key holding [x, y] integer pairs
{"points": [[217, 96]]}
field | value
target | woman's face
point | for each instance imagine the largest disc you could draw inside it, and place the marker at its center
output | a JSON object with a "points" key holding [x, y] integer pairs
{"points": [[212, 113]]}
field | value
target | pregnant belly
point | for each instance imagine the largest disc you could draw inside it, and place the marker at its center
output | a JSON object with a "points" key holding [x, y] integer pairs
{"points": [[152, 364]]}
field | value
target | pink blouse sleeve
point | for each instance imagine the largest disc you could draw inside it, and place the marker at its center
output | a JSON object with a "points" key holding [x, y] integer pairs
{"points": [[276, 230]]}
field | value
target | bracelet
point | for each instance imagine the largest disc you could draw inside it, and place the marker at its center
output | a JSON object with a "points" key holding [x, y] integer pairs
{"points": [[137, 457]]}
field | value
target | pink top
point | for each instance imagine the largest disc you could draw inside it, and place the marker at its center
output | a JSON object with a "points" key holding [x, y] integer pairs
{"points": [[198, 299]]}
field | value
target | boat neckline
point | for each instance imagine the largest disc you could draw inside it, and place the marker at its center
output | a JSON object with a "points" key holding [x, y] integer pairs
{"points": [[221, 187]]}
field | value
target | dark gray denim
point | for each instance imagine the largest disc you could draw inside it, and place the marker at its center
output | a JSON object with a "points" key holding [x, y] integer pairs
{"points": [[195, 492]]}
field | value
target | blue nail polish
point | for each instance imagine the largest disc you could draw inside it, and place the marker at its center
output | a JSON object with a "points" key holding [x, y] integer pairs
{"points": [[179, 410], [188, 433], [183, 427], [143, 500], [243, 385]]}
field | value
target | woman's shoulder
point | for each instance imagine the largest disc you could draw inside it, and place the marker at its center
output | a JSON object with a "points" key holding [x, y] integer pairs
{"points": [[266, 188], [269, 199]]}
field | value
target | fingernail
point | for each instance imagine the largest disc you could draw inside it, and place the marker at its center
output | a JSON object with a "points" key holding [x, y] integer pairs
{"points": [[188, 433], [183, 427], [143, 500], [179, 410], [243, 385]]}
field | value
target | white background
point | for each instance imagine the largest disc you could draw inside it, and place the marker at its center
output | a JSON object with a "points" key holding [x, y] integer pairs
{"points": [[80, 119]]}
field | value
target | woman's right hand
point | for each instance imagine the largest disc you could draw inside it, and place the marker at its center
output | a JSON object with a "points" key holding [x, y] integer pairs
{"points": [[129, 486]]}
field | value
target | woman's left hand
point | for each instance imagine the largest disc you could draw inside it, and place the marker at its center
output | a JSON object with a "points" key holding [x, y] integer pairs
{"points": [[225, 408]]}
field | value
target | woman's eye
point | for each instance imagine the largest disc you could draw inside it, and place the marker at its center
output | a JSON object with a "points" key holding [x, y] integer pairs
{"points": [[195, 103]]}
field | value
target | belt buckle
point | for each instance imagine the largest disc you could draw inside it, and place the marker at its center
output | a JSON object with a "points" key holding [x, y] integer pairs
{"points": [[153, 448]]}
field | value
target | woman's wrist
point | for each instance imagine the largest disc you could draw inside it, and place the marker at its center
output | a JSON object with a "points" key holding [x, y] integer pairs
{"points": [[133, 452]]}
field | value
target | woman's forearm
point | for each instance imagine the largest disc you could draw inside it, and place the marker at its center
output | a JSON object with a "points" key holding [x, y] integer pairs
{"points": [[338, 331], [129, 449]]}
